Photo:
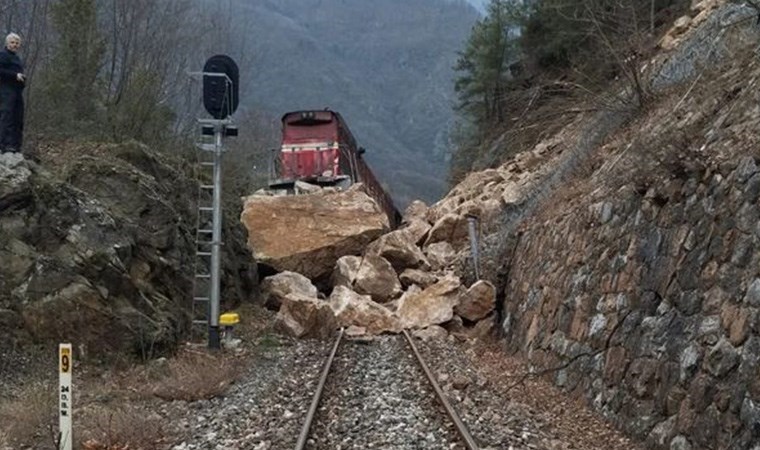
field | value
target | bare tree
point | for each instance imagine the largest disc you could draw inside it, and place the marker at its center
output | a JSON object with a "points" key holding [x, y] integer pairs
{"points": [[141, 83]]}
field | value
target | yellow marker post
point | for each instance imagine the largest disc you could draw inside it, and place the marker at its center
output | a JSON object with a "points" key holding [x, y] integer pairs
{"points": [[65, 395]]}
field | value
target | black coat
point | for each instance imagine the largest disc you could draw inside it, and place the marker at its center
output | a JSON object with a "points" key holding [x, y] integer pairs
{"points": [[10, 66]]}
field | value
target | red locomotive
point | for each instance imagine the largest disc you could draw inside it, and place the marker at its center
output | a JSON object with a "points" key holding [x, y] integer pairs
{"points": [[318, 148]]}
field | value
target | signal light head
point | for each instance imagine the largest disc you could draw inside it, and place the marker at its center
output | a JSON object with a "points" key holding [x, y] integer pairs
{"points": [[231, 131], [220, 93]]}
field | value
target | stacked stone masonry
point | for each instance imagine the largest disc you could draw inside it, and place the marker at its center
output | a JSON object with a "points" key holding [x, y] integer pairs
{"points": [[652, 298]]}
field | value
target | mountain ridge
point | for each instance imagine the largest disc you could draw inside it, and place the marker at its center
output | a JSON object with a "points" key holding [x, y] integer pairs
{"points": [[384, 66]]}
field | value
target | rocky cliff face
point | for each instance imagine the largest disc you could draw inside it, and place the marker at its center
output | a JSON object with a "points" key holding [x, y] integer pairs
{"points": [[629, 271], [96, 247]]}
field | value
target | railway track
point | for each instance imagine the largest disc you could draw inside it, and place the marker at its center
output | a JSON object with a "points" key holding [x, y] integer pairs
{"points": [[369, 394]]}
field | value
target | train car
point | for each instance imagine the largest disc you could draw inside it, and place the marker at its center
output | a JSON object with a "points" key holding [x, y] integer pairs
{"points": [[317, 147]]}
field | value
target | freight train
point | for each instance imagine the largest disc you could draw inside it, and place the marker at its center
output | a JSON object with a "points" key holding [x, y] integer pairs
{"points": [[318, 148]]}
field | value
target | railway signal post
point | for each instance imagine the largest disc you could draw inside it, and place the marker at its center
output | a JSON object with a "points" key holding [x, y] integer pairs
{"points": [[220, 99]]}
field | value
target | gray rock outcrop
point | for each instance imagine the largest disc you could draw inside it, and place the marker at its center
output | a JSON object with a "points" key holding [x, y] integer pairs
{"points": [[96, 248]]}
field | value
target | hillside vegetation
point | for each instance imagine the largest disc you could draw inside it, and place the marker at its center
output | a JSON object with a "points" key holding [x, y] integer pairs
{"points": [[114, 71], [386, 66], [528, 69], [623, 240]]}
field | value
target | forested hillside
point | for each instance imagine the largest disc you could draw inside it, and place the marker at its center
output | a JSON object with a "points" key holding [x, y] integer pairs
{"points": [[386, 66], [119, 70], [618, 193], [530, 67]]}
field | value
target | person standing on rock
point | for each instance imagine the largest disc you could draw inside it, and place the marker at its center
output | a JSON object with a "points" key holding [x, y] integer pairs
{"points": [[12, 81]]}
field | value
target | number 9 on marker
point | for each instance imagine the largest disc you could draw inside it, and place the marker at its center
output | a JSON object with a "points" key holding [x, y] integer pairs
{"points": [[65, 357]]}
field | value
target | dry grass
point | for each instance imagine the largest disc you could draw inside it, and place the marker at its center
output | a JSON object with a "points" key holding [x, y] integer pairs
{"points": [[117, 410], [29, 419], [126, 427], [5, 441], [668, 139], [196, 375], [119, 407]]}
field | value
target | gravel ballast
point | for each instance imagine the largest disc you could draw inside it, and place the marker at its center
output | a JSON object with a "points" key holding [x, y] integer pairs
{"points": [[376, 397]]}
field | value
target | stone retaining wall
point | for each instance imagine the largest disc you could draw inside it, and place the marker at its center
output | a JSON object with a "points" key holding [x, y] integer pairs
{"points": [[653, 299]]}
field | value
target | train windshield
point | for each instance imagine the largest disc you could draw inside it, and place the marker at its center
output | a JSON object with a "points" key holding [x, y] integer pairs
{"points": [[319, 126]]}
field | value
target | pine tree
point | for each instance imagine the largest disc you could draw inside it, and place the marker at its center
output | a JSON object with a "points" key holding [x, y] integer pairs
{"points": [[484, 80], [484, 64]]}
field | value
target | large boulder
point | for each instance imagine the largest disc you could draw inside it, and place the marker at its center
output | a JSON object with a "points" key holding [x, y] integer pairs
{"points": [[416, 230], [355, 309], [440, 255], [417, 277], [372, 275], [485, 328], [301, 316], [431, 333], [400, 250], [451, 228], [417, 209], [477, 302], [279, 286], [431, 306], [308, 233]]}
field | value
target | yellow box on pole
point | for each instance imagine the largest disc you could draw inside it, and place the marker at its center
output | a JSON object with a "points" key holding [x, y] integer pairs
{"points": [[227, 322], [229, 319]]}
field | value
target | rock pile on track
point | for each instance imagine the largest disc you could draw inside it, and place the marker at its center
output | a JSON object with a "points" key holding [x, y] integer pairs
{"points": [[371, 282]]}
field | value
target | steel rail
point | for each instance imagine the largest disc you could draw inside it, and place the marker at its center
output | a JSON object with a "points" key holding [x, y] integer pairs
{"points": [[301, 444], [461, 428]]}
